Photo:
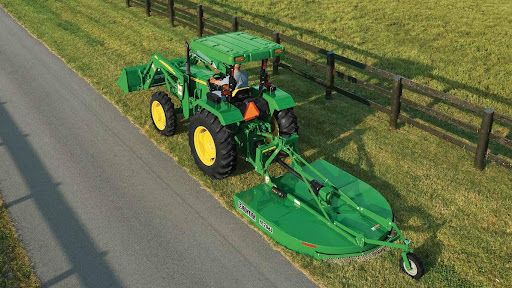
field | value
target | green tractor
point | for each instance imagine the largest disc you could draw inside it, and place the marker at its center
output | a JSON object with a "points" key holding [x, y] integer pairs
{"points": [[315, 208]]}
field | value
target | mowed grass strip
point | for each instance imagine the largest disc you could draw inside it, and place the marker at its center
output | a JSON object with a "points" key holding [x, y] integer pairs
{"points": [[15, 268], [459, 218]]}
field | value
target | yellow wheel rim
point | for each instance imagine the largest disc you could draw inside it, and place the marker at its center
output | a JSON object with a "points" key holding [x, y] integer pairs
{"points": [[158, 115], [205, 146]]}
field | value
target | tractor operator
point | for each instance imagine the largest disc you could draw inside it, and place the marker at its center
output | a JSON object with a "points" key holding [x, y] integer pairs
{"points": [[241, 78]]}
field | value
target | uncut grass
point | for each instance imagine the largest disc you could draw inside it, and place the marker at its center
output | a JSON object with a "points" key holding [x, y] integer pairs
{"points": [[15, 267], [461, 47], [458, 218]]}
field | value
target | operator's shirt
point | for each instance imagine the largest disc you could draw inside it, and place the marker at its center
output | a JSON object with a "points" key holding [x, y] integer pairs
{"points": [[240, 77]]}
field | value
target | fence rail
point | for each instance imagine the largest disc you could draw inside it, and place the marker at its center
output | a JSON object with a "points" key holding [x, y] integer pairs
{"points": [[208, 20]]}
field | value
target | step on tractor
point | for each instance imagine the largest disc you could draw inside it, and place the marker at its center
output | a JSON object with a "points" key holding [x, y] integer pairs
{"points": [[314, 208]]}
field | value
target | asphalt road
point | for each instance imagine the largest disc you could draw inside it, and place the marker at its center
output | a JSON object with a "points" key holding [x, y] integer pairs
{"points": [[96, 203]]}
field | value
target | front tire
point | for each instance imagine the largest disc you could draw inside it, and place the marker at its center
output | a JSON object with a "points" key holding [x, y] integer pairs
{"points": [[162, 113], [212, 145], [417, 270]]}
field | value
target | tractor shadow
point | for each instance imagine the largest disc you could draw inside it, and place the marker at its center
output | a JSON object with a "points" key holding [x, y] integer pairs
{"points": [[343, 133]]}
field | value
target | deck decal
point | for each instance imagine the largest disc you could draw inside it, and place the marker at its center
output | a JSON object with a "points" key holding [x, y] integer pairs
{"points": [[246, 210], [266, 226]]}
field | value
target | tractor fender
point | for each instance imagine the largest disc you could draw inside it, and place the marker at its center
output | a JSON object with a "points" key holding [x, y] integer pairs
{"points": [[225, 112], [278, 100]]}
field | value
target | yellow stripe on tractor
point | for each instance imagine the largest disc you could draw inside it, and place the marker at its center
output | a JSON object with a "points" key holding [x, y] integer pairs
{"points": [[168, 67], [199, 81]]}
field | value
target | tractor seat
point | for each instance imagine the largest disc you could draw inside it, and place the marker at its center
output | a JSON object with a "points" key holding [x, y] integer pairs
{"points": [[238, 95], [241, 93]]}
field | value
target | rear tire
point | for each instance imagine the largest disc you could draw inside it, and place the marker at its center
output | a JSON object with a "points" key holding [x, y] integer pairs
{"points": [[212, 145], [417, 269], [162, 113], [284, 123]]}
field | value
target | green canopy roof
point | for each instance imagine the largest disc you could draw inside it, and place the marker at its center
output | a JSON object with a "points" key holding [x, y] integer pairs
{"points": [[236, 47]]}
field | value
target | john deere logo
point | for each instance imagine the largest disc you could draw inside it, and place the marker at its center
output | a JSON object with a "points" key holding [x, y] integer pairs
{"points": [[246, 210]]}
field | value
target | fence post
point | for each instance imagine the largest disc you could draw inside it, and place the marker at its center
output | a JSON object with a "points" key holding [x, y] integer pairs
{"points": [[330, 75], [275, 64], [483, 138], [234, 24], [200, 21], [128, 4], [148, 8], [170, 4], [395, 102]]}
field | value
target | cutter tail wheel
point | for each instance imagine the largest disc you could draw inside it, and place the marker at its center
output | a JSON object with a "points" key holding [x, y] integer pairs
{"points": [[162, 113], [284, 123], [416, 269], [212, 145]]}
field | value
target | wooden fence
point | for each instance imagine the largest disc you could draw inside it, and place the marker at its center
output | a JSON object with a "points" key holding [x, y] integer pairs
{"points": [[206, 20]]}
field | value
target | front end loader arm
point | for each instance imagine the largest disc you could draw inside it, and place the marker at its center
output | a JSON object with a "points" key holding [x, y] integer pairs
{"points": [[157, 72]]}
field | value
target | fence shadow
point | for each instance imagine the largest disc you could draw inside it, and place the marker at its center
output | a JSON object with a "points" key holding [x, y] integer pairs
{"points": [[80, 249]]}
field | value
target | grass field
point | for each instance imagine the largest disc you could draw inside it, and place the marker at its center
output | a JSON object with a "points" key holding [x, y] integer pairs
{"points": [[460, 47], [15, 267], [459, 218]]}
